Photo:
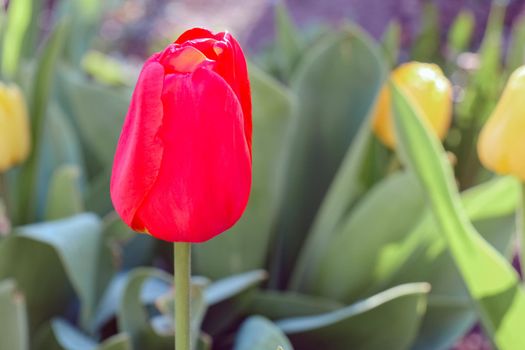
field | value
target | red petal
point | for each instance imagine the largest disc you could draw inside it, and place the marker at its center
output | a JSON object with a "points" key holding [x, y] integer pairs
{"points": [[231, 65], [195, 33], [205, 176], [139, 150]]}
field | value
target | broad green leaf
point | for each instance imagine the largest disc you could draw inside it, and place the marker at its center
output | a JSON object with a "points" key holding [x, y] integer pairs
{"points": [[388, 320], [228, 299], [391, 42], [229, 287], [38, 102], [61, 335], [349, 184], [18, 22], [426, 46], [98, 112], [336, 85], [460, 34], [133, 317], [516, 51], [64, 197], [492, 282], [450, 313], [119, 341], [288, 48], [60, 147], [65, 252], [14, 333], [275, 305], [258, 333], [232, 252], [364, 248]]}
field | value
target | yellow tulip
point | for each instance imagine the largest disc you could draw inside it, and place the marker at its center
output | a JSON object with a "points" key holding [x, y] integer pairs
{"points": [[14, 127], [429, 91], [501, 144]]}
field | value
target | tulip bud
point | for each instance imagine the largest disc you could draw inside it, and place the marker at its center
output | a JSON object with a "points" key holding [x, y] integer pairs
{"points": [[429, 91], [14, 127], [501, 144], [182, 168]]}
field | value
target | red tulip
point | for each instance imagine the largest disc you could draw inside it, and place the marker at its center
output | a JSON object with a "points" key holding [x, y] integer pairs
{"points": [[182, 168]]}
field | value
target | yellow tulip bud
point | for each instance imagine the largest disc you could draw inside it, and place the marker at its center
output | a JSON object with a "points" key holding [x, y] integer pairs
{"points": [[429, 91], [501, 144], [14, 127]]}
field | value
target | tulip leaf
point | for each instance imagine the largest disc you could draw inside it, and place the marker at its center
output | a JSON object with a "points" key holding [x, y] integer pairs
{"points": [[132, 313], [258, 333], [228, 298], [98, 112], [426, 46], [244, 247], [119, 341], [460, 34], [516, 51], [388, 320], [63, 251], [143, 287], [14, 333], [61, 335], [18, 21], [275, 305], [391, 42], [491, 281], [288, 49], [336, 85], [364, 244], [38, 102], [450, 313], [59, 148], [64, 197]]}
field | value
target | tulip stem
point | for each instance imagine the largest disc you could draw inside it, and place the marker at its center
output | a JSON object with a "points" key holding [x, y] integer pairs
{"points": [[182, 268]]}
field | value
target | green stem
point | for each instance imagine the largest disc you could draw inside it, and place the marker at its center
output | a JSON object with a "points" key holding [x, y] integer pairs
{"points": [[182, 269], [521, 220]]}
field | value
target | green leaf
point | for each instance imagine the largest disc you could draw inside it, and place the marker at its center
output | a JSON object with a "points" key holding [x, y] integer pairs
{"points": [[65, 252], [460, 33], [288, 48], [18, 22], [275, 305], [232, 252], [336, 86], [228, 299], [516, 53], [492, 282], [349, 184], [41, 91], [132, 315], [258, 333], [64, 198], [426, 46], [391, 42], [388, 320], [119, 341], [450, 313], [14, 333], [363, 250], [98, 112], [61, 335]]}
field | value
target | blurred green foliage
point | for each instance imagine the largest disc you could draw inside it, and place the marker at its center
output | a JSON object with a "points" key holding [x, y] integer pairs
{"points": [[341, 246]]}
